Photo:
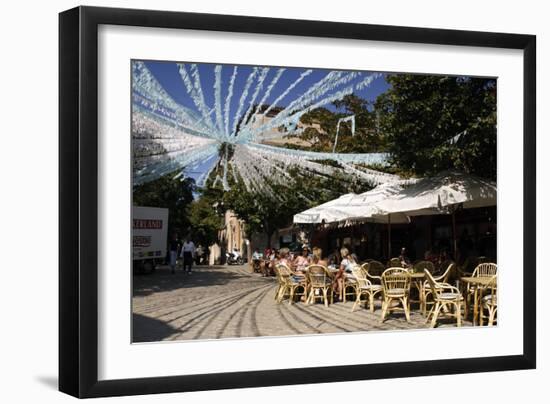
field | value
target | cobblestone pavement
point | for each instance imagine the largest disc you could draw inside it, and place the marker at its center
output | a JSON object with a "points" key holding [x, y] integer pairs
{"points": [[229, 302]]}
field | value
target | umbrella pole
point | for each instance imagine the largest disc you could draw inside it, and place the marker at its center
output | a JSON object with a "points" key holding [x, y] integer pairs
{"points": [[389, 237], [455, 252]]}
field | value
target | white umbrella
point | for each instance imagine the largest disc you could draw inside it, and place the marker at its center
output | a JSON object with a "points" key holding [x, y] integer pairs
{"points": [[441, 194], [327, 212], [356, 207], [353, 207]]}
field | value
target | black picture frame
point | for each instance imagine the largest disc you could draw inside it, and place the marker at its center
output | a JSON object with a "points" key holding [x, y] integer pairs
{"points": [[78, 200]]}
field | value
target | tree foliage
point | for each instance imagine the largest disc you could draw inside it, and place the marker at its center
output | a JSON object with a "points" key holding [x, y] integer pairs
{"points": [[436, 123], [205, 221], [264, 213], [367, 137], [168, 192]]}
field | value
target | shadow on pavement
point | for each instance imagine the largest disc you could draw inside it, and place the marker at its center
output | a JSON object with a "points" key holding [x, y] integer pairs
{"points": [[145, 329], [163, 280]]}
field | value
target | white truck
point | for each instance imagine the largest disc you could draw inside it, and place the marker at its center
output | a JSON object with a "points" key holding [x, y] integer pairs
{"points": [[149, 237]]}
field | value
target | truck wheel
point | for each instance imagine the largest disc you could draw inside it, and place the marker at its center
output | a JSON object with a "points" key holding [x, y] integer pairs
{"points": [[148, 266]]}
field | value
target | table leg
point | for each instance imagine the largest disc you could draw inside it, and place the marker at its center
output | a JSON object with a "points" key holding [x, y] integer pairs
{"points": [[474, 319]]}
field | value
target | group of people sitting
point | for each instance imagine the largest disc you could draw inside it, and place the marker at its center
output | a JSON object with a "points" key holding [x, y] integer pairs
{"points": [[342, 259]]}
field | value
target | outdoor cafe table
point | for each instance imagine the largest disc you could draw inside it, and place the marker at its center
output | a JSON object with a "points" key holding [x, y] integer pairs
{"points": [[417, 281], [478, 282]]}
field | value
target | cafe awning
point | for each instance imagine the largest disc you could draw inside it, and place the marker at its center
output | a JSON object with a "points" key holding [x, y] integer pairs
{"points": [[440, 194], [353, 207]]}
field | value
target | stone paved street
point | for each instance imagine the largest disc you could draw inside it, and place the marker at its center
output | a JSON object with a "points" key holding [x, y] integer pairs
{"points": [[229, 302]]}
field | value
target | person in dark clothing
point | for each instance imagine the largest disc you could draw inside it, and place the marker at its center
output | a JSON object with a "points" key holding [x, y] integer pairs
{"points": [[174, 247]]}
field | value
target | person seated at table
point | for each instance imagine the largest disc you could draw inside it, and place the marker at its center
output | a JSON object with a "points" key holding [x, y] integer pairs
{"points": [[347, 263], [317, 257], [256, 260], [334, 258], [256, 255], [283, 257], [302, 261], [268, 262], [431, 256], [405, 261]]}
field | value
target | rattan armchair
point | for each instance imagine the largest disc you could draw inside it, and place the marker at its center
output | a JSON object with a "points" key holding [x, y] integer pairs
{"points": [[420, 266], [319, 284], [485, 269], [427, 291], [349, 287], [374, 270], [444, 295], [365, 287], [488, 302], [290, 284], [394, 263], [396, 286], [281, 285]]}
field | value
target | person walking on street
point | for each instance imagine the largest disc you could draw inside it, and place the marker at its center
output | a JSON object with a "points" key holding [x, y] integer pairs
{"points": [[174, 247], [198, 254], [187, 253]]}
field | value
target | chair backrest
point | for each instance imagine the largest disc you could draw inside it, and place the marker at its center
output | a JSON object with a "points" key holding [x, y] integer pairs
{"points": [[396, 278], [284, 270], [283, 273], [280, 278], [431, 281], [394, 262], [365, 270], [442, 267], [450, 269], [375, 270], [492, 289], [420, 266], [360, 276], [485, 269], [317, 275]]}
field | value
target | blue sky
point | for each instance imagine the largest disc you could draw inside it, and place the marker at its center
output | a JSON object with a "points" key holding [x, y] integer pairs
{"points": [[168, 76]]}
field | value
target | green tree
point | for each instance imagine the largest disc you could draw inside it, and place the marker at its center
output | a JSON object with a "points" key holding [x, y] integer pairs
{"points": [[204, 221], [168, 192], [436, 123], [367, 138], [264, 213]]}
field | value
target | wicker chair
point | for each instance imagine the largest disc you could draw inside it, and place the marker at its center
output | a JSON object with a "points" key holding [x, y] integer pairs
{"points": [[444, 295], [289, 284], [281, 285], [319, 280], [488, 302], [394, 263], [420, 266], [443, 278], [365, 287], [485, 269], [349, 287], [374, 270], [418, 283], [396, 285]]}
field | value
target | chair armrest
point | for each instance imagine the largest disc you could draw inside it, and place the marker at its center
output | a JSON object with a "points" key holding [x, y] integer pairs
{"points": [[367, 281], [448, 286]]}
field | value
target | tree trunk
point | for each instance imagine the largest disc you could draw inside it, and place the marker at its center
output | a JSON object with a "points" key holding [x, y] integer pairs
{"points": [[268, 232]]}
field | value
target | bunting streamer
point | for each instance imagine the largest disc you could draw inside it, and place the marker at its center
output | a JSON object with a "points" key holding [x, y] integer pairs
{"points": [[227, 144]]}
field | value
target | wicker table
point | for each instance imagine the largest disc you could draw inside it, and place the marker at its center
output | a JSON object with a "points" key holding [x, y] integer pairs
{"points": [[478, 282], [417, 280]]}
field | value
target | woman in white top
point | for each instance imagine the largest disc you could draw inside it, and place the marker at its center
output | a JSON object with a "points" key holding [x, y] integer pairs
{"points": [[345, 265], [187, 253]]}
